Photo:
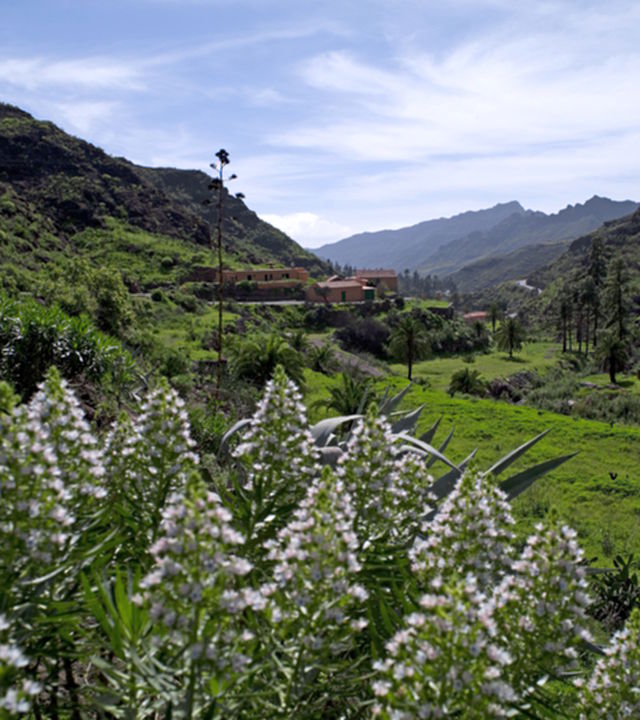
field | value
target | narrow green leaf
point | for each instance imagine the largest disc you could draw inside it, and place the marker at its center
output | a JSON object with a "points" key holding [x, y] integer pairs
{"points": [[427, 437], [518, 483], [232, 431], [322, 431], [445, 484], [408, 422], [504, 462], [428, 448], [442, 447], [388, 406]]}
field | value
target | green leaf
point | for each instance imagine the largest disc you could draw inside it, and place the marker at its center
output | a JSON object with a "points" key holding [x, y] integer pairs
{"points": [[322, 431], [445, 484], [518, 483], [442, 447], [427, 448], [388, 406], [408, 422], [232, 431], [427, 437], [507, 460]]}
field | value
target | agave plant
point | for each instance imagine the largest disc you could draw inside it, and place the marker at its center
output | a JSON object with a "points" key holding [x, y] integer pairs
{"points": [[332, 446]]}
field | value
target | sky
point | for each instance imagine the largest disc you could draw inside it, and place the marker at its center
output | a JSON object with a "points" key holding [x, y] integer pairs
{"points": [[342, 116]]}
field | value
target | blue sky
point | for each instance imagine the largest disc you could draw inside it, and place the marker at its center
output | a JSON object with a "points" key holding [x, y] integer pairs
{"points": [[346, 115]]}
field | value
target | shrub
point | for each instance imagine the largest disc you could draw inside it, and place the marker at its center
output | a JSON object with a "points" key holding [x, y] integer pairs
{"points": [[467, 381], [365, 335], [33, 338]]}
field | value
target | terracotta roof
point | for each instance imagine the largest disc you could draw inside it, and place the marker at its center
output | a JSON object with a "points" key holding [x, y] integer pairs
{"points": [[479, 315], [340, 284]]}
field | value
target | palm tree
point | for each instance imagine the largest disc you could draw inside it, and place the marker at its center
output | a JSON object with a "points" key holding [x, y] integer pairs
{"points": [[495, 313], [298, 340], [254, 359], [466, 381], [611, 353], [510, 335], [321, 358], [351, 396], [409, 341]]}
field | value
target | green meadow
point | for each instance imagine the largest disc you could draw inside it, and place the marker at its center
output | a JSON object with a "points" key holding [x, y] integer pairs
{"points": [[437, 372], [597, 492]]}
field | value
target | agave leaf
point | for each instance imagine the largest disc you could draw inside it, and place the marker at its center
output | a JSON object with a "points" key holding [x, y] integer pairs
{"points": [[504, 462], [404, 449], [330, 456], [388, 406], [518, 483], [445, 484], [322, 431], [408, 422], [442, 447], [427, 437], [427, 448], [363, 401], [236, 427]]}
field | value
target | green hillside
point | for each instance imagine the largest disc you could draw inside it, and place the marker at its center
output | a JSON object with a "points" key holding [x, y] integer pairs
{"points": [[63, 198]]}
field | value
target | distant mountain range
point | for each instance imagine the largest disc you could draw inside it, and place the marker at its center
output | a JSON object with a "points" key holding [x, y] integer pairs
{"points": [[478, 248]]}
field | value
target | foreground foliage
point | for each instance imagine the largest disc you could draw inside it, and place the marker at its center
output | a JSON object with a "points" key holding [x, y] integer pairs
{"points": [[132, 585]]}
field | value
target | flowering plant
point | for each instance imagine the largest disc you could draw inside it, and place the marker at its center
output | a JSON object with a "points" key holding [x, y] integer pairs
{"points": [[134, 586]]}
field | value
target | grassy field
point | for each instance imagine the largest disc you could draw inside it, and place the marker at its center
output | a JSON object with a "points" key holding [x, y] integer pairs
{"points": [[597, 492], [437, 372]]}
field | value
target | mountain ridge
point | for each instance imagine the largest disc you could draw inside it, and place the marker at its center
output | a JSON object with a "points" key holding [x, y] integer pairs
{"points": [[77, 186], [440, 247]]}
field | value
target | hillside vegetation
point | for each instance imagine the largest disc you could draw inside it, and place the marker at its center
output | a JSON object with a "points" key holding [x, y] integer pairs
{"points": [[57, 190]]}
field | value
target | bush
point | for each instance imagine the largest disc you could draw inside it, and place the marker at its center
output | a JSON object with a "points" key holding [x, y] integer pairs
{"points": [[364, 335], [468, 382], [33, 338]]}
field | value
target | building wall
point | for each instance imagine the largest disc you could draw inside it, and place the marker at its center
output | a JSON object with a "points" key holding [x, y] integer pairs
{"points": [[390, 281], [266, 274], [210, 274], [350, 293]]}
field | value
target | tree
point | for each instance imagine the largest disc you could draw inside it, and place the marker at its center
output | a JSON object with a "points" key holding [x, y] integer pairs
{"points": [[350, 396], [510, 336], [616, 297], [217, 186], [611, 354], [321, 358], [597, 271], [589, 300], [254, 359], [495, 313], [409, 341], [466, 381]]}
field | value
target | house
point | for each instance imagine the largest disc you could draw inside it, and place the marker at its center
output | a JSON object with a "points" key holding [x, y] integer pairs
{"points": [[264, 275], [259, 284], [380, 276], [473, 317], [338, 289], [204, 273]]}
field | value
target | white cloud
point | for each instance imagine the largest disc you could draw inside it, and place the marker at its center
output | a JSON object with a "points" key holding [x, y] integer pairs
{"points": [[514, 89], [308, 229], [85, 116], [85, 73]]}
